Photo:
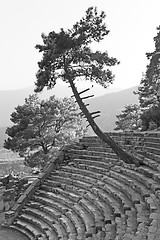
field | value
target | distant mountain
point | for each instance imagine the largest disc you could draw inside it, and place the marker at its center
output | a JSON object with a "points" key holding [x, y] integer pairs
{"points": [[109, 104], [9, 99]]}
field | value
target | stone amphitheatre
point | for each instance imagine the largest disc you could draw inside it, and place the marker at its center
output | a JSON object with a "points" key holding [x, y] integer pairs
{"points": [[87, 193]]}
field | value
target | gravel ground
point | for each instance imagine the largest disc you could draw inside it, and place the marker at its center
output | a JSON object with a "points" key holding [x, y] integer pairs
{"points": [[8, 234]]}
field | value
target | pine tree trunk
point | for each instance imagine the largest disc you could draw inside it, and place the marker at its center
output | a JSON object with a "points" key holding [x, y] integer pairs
{"points": [[104, 137]]}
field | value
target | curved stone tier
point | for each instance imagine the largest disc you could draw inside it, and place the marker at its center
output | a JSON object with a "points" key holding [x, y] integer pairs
{"points": [[96, 196]]}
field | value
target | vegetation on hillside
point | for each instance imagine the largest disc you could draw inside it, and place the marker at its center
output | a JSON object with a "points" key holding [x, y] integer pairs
{"points": [[40, 126]]}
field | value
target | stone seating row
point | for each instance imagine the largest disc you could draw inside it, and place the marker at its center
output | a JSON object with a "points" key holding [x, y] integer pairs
{"points": [[95, 195], [83, 206], [120, 196], [142, 139], [127, 207], [78, 210], [63, 176], [148, 192], [149, 153], [155, 184]]}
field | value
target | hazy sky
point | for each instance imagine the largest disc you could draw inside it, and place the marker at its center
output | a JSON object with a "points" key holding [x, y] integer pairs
{"points": [[132, 25]]}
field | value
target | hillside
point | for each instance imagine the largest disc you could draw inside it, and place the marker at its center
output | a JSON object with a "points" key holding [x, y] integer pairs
{"points": [[109, 104], [9, 99]]}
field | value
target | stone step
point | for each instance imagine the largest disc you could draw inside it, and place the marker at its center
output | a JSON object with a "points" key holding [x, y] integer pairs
{"points": [[91, 178], [53, 222], [142, 182], [86, 172], [93, 158], [150, 207], [120, 219], [110, 191], [155, 145], [28, 226], [91, 205], [38, 223], [54, 213], [104, 165], [57, 211], [112, 200], [80, 192], [96, 196], [96, 154], [151, 175], [151, 163], [152, 150], [47, 219], [88, 142], [93, 209], [22, 229], [151, 140], [100, 148], [84, 213], [140, 204], [153, 156], [68, 180], [151, 160], [148, 195]]}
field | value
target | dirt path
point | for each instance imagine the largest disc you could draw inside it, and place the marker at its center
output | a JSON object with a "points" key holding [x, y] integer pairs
{"points": [[8, 234]]}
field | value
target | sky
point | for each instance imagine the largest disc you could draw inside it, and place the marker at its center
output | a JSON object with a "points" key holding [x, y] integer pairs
{"points": [[132, 25]]}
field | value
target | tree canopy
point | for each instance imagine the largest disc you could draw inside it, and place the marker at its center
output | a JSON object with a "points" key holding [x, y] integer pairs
{"points": [[149, 95], [41, 125], [150, 83], [150, 87], [129, 118], [151, 118], [69, 54]]}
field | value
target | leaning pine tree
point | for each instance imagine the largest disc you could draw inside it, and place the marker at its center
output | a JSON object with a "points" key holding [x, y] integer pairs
{"points": [[67, 55]]}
